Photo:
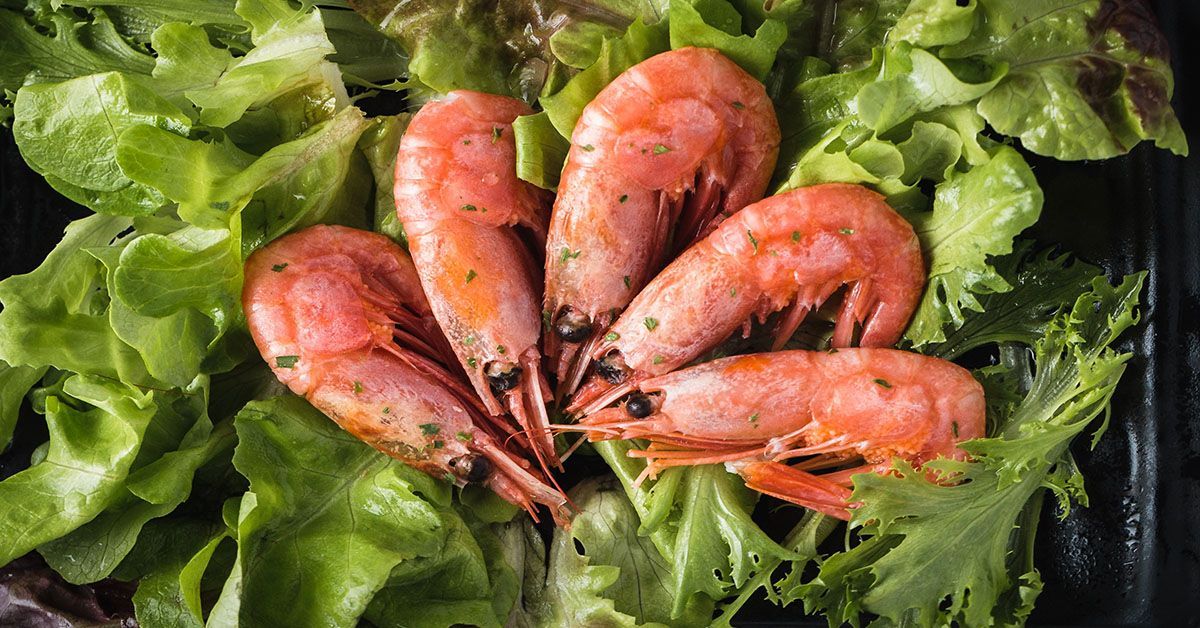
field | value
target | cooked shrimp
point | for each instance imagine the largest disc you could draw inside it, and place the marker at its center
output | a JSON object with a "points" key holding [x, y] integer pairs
{"points": [[793, 251], [754, 412], [465, 214], [660, 155], [339, 315]]}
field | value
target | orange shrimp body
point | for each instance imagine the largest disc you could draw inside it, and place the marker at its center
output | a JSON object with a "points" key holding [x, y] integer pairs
{"points": [[656, 158], [339, 315], [753, 412], [465, 214], [792, 251]]}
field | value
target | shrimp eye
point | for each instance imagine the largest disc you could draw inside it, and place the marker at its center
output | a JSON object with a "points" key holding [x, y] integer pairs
{"points": [[612, 368], [573, 326], [502, 376], [472, 468], [639, 406]]}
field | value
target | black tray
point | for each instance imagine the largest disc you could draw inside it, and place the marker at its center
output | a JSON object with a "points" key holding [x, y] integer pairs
{"points": [[1133, 557]]}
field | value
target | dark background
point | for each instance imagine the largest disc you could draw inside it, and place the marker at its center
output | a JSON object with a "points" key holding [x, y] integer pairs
{"points": [[1133, 557]]}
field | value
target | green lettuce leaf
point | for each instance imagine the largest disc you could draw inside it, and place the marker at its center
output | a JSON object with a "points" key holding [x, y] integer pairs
{"points": [[1042, 284], [717, 24], [380, 144], [1089, 79], [317, 178], [906, 569], [317, 540], [604, 573], [15, 382], [932, 23], [639, 42], [59, 46], [541, 151], [57, 314], [467, 582], [173, 556], [289, 52], [577, 43], [699, 519], [68, 133], [975, 215], [91, 451]]}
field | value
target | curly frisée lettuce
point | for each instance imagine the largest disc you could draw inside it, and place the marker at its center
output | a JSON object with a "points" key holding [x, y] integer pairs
{"points": [[197, 131], [932, 554]]}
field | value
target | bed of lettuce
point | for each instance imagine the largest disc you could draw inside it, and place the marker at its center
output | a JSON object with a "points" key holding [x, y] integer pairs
{"points": [[196, 131]]}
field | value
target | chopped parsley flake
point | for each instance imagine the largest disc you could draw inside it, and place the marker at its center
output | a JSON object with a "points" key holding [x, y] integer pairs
{"points": [[387, 410], [501, 349], [567, 254], [738, 105], [471, 274], [429, 429], [469, 340], [496, 131], [795, 236], [611, 336], [467, 142], [464, 437], [754, 417], [279, 267], [286, 361], [954, 428], [658, 359], [358, 387], [733, 292], [624, 197], [626, 280], [588, 147], [438, 444], [469, 208], [753, 240], [650, 323], [660, 149], [472, 362], [846, 231], [882, 382]]}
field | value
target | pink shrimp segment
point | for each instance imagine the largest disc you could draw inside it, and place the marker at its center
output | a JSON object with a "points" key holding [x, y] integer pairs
{"points": [[856, 408], [657, 158], [476, 234], [340, 317], [789, 252]]}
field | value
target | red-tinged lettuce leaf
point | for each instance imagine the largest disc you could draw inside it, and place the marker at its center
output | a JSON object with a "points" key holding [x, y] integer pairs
{"points": [[31, 594], [1088, 80], [933, 554]]}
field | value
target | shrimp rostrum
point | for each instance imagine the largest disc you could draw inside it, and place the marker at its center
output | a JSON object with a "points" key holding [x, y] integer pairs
{"points": [[340, 317], [661, 154], [788, 253], [844, 413]]}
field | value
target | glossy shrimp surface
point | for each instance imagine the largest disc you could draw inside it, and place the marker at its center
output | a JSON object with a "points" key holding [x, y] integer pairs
{"points": [[340, 317], [754, 412], [789, 252], [662, 153], [476, 234]]}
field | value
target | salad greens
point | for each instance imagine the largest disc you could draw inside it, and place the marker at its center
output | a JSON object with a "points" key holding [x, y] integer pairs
{"points": [[198, 131]]}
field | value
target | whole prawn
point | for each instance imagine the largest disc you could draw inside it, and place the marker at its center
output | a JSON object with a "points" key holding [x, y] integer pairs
{"points": [[787, 252], [755, 412], [340, 317], [476, 234], [659, 156]]}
